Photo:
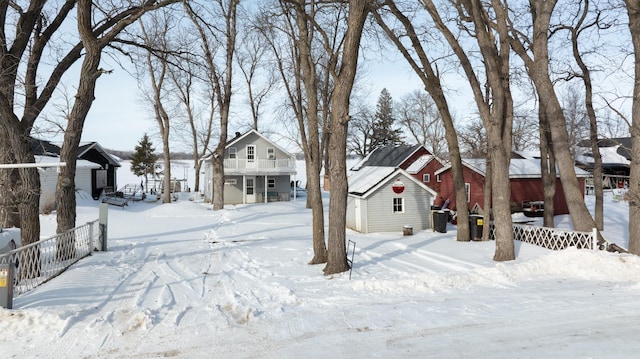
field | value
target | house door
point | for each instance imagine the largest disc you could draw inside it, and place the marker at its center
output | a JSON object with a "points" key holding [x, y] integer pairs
{"points": [[251, 156], [250, 189]]}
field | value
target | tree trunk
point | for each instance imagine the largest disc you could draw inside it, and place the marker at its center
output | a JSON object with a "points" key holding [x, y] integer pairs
{"points": [[547, 167], [218, 177], [337, 254], [487, 210], [633, 9], [166, 162], [9, 215], [539, 74], [311, 137]]}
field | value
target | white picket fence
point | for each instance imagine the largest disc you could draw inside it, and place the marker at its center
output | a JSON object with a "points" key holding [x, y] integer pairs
{"points": [[553, 238]]}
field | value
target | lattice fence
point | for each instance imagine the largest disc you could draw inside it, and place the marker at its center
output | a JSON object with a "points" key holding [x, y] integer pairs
{"points": [[38, 262], [553, 238]]}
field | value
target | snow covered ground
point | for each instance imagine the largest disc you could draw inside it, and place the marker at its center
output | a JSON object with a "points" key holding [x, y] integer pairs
{"points": [[180, 280]]}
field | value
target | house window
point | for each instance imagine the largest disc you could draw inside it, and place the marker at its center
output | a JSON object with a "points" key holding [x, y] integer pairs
{"points": [[271, 183], [438, 178], [426, 177], [398, 205], [271, 153], [230, 181], [467, 188], [233, 153]]}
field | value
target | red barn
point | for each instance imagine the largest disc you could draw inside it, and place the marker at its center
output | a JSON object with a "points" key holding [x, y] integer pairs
{"points": [[525, 179]]}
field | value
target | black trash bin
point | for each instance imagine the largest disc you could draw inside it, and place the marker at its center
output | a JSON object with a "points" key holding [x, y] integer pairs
{"points": [[440, 219], [476, 222]]}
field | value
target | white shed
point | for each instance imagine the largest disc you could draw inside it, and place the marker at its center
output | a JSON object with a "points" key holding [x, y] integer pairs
{"points": [[387, 199]]}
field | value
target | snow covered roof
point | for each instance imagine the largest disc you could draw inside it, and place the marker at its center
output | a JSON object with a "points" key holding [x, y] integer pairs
{"points": [[79, 163], [419, 163], [518, 168], [612, 155], [368, 178]]}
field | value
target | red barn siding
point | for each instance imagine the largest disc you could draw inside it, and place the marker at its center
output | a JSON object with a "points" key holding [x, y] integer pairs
{"points": [[522, 189]]}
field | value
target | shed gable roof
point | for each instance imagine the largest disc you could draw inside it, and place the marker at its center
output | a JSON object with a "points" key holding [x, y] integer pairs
{"points": [[366, 181]]}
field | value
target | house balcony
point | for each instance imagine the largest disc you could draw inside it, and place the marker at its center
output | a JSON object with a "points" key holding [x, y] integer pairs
{"points": [[259, 166]]}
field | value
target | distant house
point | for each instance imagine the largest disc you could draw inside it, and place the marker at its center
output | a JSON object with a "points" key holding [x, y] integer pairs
{"points": [[385, 199], [616, 159], [525, 179], [256, 170], [415, 159], [95, 170]]}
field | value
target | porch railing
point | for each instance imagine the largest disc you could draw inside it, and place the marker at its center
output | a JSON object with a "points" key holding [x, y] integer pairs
{"points": [[260, 165]]}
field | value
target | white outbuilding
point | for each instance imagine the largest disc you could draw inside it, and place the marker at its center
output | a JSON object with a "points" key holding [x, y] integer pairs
{"points": [[387, 199]]}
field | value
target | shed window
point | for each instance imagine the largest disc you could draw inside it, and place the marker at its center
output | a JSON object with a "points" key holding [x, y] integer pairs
{"points": [[467, 188], [426, 177], [438, 178], [271, 183], [398, 205], [233, 152]]}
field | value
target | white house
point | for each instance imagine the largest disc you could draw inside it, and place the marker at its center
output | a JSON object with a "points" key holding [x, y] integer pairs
{"points": [[386, 199], [95, 170], [256, 170]]}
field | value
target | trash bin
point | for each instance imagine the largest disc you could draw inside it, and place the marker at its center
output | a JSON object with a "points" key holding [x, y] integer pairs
{"points": [[476, 222], [440, 219], [407, 230]]}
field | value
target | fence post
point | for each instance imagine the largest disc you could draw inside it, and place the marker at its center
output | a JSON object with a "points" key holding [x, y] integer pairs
{"points": [[102, 223], [594, 238]]}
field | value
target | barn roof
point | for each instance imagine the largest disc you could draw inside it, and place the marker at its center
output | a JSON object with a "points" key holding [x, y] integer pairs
{"points": [[518, 168], [419, 163]]}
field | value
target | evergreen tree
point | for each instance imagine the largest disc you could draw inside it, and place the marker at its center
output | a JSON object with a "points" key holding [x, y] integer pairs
{"points": [[144, 159], [384, 133]]}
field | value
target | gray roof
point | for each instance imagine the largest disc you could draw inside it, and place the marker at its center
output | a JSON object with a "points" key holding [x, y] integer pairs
{"points": [[388, 156]]}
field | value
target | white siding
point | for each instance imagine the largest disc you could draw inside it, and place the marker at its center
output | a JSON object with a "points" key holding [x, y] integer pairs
{"points": [[379, 209], [83, 179], [48, 182]]}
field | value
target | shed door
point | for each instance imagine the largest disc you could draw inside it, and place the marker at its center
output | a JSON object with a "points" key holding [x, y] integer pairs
{"points": [[358, 215]]}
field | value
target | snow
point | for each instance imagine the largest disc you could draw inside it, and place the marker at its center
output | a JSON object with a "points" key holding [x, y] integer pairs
{"points": [[180, 280]]}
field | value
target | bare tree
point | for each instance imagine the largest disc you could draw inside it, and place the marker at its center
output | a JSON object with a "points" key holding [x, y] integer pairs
{"points": [[576, 116], [633, 11], [217, 36], [525, 130], [361, 132], [198, 128], [157, 69], [260, 82], [427, 71], [420, 117], [473, 139], [111, 25], [534, 52], [583, 22], [344, 76]]}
